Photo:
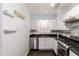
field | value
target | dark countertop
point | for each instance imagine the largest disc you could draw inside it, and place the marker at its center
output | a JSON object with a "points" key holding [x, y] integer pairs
{"points": [[68, 41], [75, 50], [62, 31], [43, 35]]}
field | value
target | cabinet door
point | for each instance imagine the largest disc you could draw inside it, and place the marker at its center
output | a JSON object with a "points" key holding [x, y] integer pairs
{"points": [[42, 43], [49, 43], [55, 45]]}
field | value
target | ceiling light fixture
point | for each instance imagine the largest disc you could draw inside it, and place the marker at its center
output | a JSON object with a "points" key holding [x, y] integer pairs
{"points": [[52, 4]]}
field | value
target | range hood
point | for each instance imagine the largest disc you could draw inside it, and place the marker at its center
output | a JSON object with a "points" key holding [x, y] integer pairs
{"points": [[72, 22]]}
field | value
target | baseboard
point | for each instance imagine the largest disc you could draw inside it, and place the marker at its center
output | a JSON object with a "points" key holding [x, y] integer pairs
{"points": [[33, 49], [45, 49]]}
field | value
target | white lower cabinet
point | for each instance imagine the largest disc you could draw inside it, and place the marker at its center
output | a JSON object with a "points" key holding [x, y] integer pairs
{"points": [[42, 44], [71, 53], [55, 45], [48, 43]]}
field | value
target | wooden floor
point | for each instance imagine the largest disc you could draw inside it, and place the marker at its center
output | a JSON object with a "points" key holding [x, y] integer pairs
{"points": [[41, 53]]}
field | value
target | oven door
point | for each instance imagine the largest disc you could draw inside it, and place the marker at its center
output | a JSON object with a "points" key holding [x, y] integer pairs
{"points": [[62, 51]]}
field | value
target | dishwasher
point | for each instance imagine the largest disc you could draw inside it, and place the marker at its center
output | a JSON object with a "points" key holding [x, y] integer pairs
{"points": [[33, 43]]}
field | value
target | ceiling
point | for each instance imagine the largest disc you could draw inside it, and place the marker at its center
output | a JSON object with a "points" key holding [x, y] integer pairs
{"points": [[40, 8], [46, 8]]}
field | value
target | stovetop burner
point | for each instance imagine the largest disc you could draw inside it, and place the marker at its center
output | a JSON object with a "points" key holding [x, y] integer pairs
{"points": [[72, 43], [69, 43]]}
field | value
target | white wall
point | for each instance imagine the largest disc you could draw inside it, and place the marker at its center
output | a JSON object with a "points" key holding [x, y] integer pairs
{"points": [[60, 22], [43, 23], [0, 28], [16, 43], [42, 27], [73, 12]]}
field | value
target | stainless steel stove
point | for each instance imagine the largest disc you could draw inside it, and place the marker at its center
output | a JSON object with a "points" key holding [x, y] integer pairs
{"points": [[64, 45], [62, 49]]}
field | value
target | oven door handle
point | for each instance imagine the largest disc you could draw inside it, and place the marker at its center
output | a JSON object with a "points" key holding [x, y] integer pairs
{"points": [[62, 47]]}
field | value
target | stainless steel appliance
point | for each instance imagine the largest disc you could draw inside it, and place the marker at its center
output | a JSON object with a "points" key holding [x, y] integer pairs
{"points": [[64, 44], [62, 49], [34, 43]]}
